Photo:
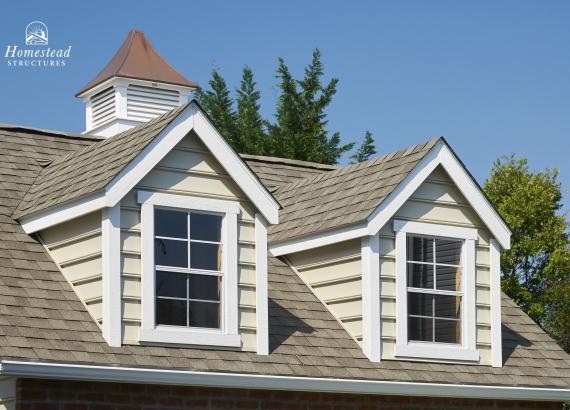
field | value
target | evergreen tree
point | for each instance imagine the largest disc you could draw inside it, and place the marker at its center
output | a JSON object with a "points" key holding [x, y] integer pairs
{"points": [[248, 119], [219, 105], [365, 151], [536, 270], [300, 128]]}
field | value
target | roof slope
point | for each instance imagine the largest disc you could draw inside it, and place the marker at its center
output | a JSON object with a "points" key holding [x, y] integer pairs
{"points": [[345, 196], [89, 170], [41, 318], [137, 58], [275, 172]]}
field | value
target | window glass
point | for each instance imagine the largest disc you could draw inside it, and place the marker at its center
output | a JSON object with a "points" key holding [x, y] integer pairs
{"points": [[171, 284], [169, 252], [420, 275], [205, 227], [420, 304], [420, 329], [204, 287], [448, 278], [171, 312], [448, 251], [420, 249], [447, 331], [204, 314], [172, 224], [205, 256]]}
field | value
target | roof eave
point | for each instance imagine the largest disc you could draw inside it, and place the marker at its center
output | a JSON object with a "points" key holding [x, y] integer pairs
{"points": [[74, 371]]}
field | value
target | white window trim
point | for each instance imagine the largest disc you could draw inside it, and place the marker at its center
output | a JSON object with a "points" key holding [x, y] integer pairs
{"points": [[467, 351], [228, 335]]}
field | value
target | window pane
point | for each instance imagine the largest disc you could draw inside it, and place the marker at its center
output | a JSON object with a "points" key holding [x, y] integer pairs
{"points": [[205, 287], [171, 253], [448, 277], [205, 256], [420, 304], [171, 284], [170, 312], [170, 223], [448, 306], [420, 276], [205, 227], [420, 249], [447, 331], [448, 251], [420, 329], [204, 314]]}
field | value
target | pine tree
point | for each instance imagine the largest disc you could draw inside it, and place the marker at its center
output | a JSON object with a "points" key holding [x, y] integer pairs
{"points": [[300, 128], [365, 151], [248, 119], [219, 105]]}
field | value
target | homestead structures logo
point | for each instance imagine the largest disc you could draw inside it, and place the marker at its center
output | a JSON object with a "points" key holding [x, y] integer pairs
{"points": [[38, 55], [36, 34]]}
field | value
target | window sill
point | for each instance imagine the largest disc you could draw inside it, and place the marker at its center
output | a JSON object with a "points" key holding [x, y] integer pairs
{"points": [[173, 335], [435, 351]]}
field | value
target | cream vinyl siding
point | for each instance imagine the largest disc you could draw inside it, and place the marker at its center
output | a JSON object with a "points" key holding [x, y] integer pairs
{"points": [[75, 246], [334, 275], [438, 201], [189, 169]]}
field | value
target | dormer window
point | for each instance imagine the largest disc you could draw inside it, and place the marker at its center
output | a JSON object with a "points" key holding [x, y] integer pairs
{"points": [[435, 291], [189, 270]]}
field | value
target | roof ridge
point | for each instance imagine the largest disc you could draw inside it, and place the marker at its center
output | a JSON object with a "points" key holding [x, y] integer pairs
{"points": [[50, 133], [351, 167], [288, 161]]}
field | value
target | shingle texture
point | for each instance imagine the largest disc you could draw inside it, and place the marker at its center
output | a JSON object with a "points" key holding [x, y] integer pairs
{"points": [[344, 196], [42, 319], [90, 169]]}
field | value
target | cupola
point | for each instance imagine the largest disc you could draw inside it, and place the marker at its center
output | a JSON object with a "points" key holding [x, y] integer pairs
{"points": [[136, 86]]}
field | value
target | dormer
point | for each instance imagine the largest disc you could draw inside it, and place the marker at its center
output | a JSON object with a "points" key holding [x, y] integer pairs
{"points": [[136, 86]]}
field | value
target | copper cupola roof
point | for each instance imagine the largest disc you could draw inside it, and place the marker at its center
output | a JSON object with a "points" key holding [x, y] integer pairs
{"points": [[136, 58]]}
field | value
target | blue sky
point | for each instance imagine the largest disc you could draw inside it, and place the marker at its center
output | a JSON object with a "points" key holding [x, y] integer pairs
{"points": [[492, 77]]}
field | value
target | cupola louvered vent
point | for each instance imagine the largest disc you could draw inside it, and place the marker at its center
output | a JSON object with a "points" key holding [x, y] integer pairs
{"points": [[103, 107], [145, 103]]}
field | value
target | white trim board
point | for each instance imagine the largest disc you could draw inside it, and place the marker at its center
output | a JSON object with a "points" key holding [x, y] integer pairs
{"points": [[261, 285], [440, 154], [64, 371], [191, 118]]}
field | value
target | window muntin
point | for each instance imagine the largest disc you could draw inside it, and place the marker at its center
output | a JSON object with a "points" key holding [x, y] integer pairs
{"points": [[434, 270], [188, 268]]}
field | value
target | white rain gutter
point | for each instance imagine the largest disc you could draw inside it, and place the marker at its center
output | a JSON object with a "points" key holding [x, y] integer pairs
{"points": [[13, 368]]}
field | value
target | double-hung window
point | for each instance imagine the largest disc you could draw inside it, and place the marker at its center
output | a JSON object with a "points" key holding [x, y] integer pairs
{"points": [[189, 270], [435, 291]]}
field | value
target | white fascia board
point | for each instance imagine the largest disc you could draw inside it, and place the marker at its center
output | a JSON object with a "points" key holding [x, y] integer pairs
{"points": [[190, 118], [70, 210], [236, 168], [318, 240], [14, 368], [475, 197]]}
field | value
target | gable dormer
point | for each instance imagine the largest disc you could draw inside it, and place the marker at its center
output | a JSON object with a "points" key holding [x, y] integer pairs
{"points": [[136, 86]]}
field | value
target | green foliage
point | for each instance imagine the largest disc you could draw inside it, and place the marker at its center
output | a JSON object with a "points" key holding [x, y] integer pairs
{"points": [[300, 130], [536, 270], [366, 150], [300, 127]]}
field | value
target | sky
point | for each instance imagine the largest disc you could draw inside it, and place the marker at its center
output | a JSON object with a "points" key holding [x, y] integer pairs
{"points": [[492, 77]]}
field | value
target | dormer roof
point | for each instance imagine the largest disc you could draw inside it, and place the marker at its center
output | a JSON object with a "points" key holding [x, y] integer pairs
{"points": [[136, 58]]}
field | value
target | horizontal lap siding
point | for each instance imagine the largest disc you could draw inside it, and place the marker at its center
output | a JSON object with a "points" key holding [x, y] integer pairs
{"points": [[76, 247], [187, 170], [437, 200], [334, 274]]}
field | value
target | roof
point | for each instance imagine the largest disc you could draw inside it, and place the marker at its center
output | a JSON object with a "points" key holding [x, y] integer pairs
{"points": [[90, 169], [42, 319], [136, 58], [275, 172], [344, 196]]}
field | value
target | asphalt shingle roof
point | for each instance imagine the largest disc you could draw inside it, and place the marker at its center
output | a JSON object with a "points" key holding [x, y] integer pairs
{"points": [[89, 170], [344, 196], [42, 319]]}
